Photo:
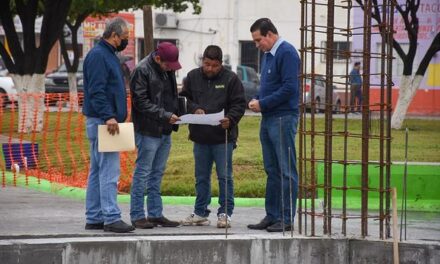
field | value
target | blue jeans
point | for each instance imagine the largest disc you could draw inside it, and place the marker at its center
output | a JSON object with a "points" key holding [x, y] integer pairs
{"points": [[205, 156], [277, 135], [151, 160], [102, 185]]}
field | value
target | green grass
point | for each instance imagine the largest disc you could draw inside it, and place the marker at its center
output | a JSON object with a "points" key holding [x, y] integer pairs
{"points": [[249, 177]]}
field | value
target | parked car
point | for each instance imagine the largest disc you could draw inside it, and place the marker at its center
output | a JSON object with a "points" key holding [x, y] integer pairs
{"points": [[3, 70], [250, 80], [320, 96], [8, 93], [58, 82]]}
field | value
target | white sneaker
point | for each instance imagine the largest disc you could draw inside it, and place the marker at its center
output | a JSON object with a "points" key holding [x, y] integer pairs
{"points": [[223, 220], [194, 219]]}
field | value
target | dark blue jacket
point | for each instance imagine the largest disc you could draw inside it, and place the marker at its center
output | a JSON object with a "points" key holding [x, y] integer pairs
{"points": [[279, 91], [355, 77], [104, 88]]}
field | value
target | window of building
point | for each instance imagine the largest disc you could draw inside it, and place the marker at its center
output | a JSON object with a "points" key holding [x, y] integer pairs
{"points": [[250, 55], [340, 48]]}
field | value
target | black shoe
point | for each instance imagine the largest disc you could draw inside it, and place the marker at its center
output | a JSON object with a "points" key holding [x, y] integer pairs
{"points": [[162, 221], [142, 224], [118, 227], [278, 227], [94, 226], [263, 224]]}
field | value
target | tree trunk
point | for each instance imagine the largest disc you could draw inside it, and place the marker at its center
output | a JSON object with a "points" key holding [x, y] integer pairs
{"points": [[73, 91], [30, 89], [407, 91]]}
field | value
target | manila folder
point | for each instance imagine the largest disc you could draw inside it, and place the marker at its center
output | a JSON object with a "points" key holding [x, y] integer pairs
{"points": [[124, 141]]}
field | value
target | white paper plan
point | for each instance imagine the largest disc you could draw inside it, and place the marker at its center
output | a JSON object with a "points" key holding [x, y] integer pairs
{"points": [[206, 119]]}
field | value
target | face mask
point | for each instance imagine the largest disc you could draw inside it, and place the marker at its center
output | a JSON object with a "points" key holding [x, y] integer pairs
{"points": [[123, 45]]}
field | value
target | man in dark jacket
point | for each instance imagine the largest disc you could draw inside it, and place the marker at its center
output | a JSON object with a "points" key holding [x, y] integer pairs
{"points": [[211, 89], [105, 102], [154, 112]]}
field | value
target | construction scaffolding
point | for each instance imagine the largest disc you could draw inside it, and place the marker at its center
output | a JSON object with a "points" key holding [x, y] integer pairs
{"points": [[318, 181]]}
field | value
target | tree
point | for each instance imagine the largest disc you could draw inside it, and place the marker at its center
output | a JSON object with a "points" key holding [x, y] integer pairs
{"points": [[81, 9], [27, 63], [409, 82]]}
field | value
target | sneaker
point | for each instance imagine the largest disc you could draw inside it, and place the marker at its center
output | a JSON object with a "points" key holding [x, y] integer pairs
{"points": [[96, 226], [163, 221], [194, 219], [223, 221], [142, 223], [118, 227]]}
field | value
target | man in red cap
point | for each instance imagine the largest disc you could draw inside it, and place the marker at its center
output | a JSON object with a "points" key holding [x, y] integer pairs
{"points": [[154, 113]]}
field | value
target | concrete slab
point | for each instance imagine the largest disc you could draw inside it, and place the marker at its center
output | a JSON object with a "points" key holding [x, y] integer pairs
{"points": [[28, 213], [38, 227]]}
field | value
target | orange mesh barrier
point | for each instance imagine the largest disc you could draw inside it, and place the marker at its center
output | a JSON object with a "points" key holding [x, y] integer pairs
{"points": [[59, 152]]}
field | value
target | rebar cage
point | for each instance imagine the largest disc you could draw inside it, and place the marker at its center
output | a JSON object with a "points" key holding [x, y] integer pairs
{"points": [[345, 158]]}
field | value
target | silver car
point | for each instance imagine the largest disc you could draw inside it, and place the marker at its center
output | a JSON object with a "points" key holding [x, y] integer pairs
{"points": [[320, 96]]}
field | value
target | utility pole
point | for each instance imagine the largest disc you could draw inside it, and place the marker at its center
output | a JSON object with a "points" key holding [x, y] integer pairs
{"points": [[148, 30]]}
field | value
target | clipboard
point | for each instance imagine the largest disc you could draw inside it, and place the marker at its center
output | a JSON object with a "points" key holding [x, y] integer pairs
{"points": [[124, 141]]}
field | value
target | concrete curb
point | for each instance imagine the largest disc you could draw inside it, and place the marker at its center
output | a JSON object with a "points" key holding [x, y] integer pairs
{"points": [[212, 249]]}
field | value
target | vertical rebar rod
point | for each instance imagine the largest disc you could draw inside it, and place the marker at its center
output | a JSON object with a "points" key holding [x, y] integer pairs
{"points": [[306, 179], [301, 120], [226, 183], [365, 114], [404, 189], [280, 163], [312, 125], [329, 111], [344, 180], [390, 33], [383, 34], [290, 194]]}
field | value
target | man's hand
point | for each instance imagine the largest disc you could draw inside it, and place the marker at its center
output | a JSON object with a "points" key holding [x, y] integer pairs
{"points": [[199, 111], [254, 105], [225, 123], [174, 119], [112, 126]]}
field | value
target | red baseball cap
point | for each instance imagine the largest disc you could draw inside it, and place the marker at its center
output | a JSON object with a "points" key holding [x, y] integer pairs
{"points": [[169, 53]]}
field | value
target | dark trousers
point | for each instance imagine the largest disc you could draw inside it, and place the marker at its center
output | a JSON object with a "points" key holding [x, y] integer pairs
{"points": [[355, 93]]}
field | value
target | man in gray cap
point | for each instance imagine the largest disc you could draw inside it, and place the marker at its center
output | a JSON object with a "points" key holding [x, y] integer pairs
{"points": [[154, 112]]}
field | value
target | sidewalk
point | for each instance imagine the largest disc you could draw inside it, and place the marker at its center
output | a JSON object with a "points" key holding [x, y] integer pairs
{"points": [[26, 213]]}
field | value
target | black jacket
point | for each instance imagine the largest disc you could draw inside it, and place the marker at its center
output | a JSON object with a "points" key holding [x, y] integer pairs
{"points": [[224, 91], [147, 84]]}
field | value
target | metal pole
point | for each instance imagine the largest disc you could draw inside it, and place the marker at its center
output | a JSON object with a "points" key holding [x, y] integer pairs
{"points": [[313, 174], [280, 163], [404, 189], [390, 32], [366, 115], [328, 141], [290, 195], [302, 157], [226, 183], [405, 175]]}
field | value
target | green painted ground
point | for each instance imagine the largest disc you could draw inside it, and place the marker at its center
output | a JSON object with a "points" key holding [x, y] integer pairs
{"points": [[423, 191]]}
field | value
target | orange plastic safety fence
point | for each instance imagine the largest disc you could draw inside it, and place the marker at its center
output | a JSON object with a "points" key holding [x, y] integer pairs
{"points": [[43, 136]]}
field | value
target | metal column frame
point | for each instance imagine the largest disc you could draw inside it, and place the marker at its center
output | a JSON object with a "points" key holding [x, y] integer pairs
{"points": [[309, 134]]}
